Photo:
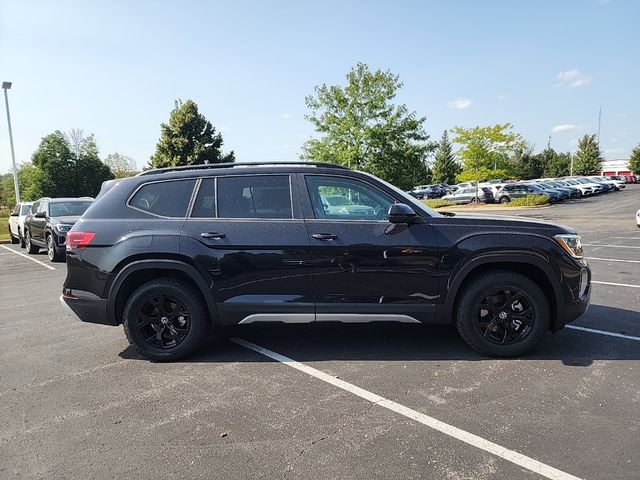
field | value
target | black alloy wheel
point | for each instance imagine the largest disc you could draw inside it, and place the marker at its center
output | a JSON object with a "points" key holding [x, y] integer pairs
{"points": [[502, 313], [165, 320]]}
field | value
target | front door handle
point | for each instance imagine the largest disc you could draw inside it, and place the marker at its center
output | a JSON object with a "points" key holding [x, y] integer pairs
{"points": [[212, 235], [324, 236]]}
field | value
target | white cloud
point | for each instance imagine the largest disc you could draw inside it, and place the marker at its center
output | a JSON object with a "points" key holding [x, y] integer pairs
{"points": [[623, 114], [504, 97], [460, 103], [285, 115], [572, 78], [285, 146], [565, 127], [224, 128]]}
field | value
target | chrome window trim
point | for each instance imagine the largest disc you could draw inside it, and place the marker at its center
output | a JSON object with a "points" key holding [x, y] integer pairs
{"points": [[133, 194], [194, 195]]}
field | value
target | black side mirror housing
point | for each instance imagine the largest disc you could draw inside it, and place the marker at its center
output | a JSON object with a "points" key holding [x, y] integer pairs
{"points": [[401, 213], [13, 214], [40, 215]]}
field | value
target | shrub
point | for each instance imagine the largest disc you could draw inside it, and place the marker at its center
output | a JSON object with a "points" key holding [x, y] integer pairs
{"points": [[437, 203], [529, 201]]}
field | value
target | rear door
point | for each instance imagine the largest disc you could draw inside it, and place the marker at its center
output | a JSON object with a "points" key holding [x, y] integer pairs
{"points": [[247, 235], [37, 224], [365, 268]]}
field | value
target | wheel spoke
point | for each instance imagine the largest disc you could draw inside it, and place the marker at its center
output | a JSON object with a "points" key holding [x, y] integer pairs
{"points": [[146, 320]]}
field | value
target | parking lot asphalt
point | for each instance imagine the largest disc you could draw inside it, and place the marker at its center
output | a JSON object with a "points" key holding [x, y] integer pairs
{"points": [[362, 401]]}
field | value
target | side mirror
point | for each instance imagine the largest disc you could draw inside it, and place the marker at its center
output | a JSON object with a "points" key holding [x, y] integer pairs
{"points": [[401, 213], [12, 214], [40, 215]]}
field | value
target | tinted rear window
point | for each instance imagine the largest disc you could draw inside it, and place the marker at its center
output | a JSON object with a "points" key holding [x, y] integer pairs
{"points": [[259, 196], [167, 199]]}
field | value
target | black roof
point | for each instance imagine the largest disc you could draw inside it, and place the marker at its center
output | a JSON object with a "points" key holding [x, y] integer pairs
{"points": [[217, 166]]}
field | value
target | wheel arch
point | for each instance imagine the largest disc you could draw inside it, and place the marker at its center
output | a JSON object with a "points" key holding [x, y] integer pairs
{"points": [[141, 271], [530, 266]]}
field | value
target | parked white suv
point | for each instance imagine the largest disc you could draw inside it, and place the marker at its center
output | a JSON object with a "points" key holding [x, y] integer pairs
{"points": [[16, 222]]}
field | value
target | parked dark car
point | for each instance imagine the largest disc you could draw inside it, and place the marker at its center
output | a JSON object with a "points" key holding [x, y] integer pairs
{"points": [[171, 253], [554, 195], [512, 191], [48, 222]]}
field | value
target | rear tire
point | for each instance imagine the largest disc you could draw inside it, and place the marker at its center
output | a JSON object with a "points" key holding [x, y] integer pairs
{"points": [[21, 238], [502, 314], [14, 240], [31, 248], [165, 320], [504, 200]]}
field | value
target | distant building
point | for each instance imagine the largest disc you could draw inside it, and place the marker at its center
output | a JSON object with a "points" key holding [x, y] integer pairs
{"points": [[618, 166]]}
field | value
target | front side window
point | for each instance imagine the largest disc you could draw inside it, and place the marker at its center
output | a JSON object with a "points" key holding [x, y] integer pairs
{"points": [[346, 199], [25, 209], [34, 207], [254, 196], [166, 199]]}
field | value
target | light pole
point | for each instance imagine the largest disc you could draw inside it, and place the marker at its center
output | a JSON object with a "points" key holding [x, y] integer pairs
{"points": [[6, 86]]}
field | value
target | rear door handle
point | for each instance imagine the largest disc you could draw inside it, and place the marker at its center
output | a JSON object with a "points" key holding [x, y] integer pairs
{"points": [[212, 235], [324, 236]]}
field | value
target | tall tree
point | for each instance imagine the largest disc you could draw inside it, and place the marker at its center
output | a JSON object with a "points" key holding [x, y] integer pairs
{"points": [[121, 165], [588, 158], [360, 127], [526, 165], [488, 147], [556, 164], [63, 172], [634, 160], [445, 166], [188, 139]]}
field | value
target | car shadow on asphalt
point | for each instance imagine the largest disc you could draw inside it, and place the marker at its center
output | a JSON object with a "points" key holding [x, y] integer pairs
{"points": [[406, 342]]}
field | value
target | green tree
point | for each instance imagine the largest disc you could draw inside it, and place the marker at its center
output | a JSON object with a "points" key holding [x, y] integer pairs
{"points": [[526, 165], [360, 127], [121, 165], [634, 160], [66, 172], [556, 164], [30, 179], [188, 139], [445, 166], [7, 192], [588, 158], [489, 147], [482, 174]]}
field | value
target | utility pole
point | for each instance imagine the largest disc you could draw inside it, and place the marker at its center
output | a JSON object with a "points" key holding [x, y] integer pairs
{"points": [[549, 143], [6, 86], [599, 118]]}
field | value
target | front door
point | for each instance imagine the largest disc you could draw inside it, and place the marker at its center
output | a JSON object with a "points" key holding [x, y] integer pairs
{"points": [[248, 235], [365, 268]]}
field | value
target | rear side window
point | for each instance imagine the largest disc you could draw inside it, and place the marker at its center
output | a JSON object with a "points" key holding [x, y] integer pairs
{"points": [[259, 196], [166, 199], [25, 209]]}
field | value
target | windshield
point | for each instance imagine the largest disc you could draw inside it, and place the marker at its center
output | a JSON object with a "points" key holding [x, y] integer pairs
{"points": [[71, 209], [24, 209]]}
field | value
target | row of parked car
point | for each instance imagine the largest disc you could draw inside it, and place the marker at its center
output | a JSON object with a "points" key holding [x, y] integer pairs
{"points": [[557, 189], [45, 223]]}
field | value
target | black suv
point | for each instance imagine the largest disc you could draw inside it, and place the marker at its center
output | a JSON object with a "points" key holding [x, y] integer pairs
{"points": [[171, 253], [48, 222]]}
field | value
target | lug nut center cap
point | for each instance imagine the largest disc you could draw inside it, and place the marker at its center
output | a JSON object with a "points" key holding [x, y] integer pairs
{"points": [[164, 320], [503, 315]]}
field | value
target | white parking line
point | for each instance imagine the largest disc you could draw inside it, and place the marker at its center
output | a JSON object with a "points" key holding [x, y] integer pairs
{"points": [[608, 246], [616, 284], [603, 332], [613, 260], [28, 257], [628, 238], [466, 437]]}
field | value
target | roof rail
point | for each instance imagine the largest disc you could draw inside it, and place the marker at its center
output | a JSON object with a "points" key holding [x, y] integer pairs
{"points": [[239, 164]]}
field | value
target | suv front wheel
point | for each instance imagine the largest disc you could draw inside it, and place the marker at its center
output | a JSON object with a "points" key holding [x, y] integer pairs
{"points": [[165, 320], [502, 314]]}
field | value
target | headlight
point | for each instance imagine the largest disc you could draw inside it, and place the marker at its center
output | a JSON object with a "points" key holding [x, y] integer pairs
{"points": [[570, 243], [62, 228]]}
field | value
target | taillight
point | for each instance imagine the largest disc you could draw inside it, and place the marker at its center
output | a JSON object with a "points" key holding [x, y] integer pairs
{"points": [[79, 240]]}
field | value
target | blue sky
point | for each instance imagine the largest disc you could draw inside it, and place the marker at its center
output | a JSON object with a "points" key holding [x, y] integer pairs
{"points": [[115, 68]]}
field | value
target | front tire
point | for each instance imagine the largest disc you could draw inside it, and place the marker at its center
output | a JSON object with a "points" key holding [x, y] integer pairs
{"points": [[52, 251], [165, 320], [502, 314], [14, 240], [31, 248], [504, 200]]}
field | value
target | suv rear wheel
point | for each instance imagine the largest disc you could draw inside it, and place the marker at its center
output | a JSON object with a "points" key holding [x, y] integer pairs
{"points": [[502, 314], [165, 320], [504, 200]]}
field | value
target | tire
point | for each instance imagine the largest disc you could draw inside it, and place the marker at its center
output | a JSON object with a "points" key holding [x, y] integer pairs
{"points": [[504, 200], [21, 238], [14, 240], [509, 330], [53, 252], [162, 306], [31, 248]]}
